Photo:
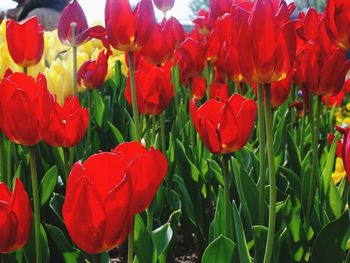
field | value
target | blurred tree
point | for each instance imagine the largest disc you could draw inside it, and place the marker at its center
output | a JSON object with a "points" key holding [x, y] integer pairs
{"points": [[304, 4], [196, 5]]}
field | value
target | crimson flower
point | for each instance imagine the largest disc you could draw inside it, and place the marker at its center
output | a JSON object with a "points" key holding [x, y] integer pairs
{"points": [[224, 127], [164, 5], [129, 30], [219, 90], [25, 41], [267, 43], [97, 208], [73, 13], [338, 21], [68, 123], [92, 73], [163, 40], [25, 105], [147, 169], [15, 217], [199, 87], [153, 87], [332, 101]]}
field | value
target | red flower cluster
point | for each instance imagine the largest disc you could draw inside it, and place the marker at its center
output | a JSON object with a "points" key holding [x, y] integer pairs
{"points": [[107, 190], [29, 113]]}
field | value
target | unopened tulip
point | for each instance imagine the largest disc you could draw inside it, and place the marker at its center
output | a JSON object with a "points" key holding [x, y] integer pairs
{"points": [[97, 209], [25, 105], [68, 123], [224, 127], [15, 217], [25, 41]]}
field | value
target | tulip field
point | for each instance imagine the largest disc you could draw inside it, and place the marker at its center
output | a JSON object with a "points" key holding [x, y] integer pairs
{"points": [[133, 140]]}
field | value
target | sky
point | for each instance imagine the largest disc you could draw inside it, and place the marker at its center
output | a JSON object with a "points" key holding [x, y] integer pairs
{"points": [[94, 9]]}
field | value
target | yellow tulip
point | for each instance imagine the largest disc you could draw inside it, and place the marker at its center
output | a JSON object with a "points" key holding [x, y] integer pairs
{"points": [[339, 171]]}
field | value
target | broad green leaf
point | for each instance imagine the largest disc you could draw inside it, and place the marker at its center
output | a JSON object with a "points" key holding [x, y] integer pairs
{"points": [[260, 237], [294, 159], [29, 249], [223, 226], [240, 237], [98, 107], [329, 244], [221, 250], [48, 184], [116, 133], [143, 243], [193, 168], [161, 238], [66, 250]]}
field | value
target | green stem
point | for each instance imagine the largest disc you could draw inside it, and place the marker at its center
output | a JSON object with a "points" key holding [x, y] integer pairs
{"points": [[66, 163], [153, 130], [8, 163], [148, 133], [71, 157], [36, 203], [90, 119], [149, 213], [75, 63], [97, 258], [176, 82], [301, 142], [131, 244], [2, 177], [314, 171], [227, 184], [4, 258], [134, 96], [272, 176], [262, 141], [162, 130]]}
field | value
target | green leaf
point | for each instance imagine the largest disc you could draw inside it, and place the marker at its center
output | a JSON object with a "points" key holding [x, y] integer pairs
{"points": [[56, 204], [215, 170], [334, 200], [29, 249], [68, 253], [143, 243], [48, 184], [193, 168], [240, 237], [98, 107], [116, 133], [221, 250], [327, 171], [221, 226], [294, 159], [260, 237], [329, 244], [161, 238]]}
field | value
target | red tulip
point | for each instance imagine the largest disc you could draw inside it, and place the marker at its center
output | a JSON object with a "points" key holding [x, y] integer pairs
{"points": [[164, 5], [201, 22], [199, 87], [338, 21], [129, 31], [190, 57], [224, 127], [346, 150], [153, 87], [25, 105], [15, 217], [73, 13], [25, 41], [267, 43], [339, 149], [68, 123], [161, 44], [97, 208], [219, 90], [332, 101], [147, 169], [92, 73]]}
